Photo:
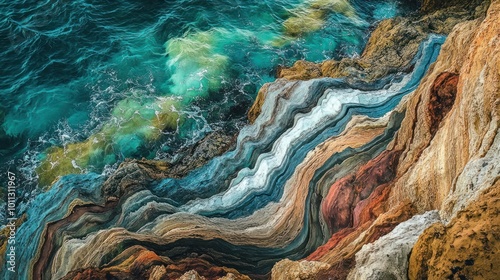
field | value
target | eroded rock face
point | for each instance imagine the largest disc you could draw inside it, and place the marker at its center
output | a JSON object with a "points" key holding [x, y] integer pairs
{"points": [[442, 96], [466, 248], [387, 258], [431, 163], [303, 270]]}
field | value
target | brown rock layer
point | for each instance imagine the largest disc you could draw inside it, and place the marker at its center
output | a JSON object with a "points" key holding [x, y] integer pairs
{"points": [[442, 96], [349, 195], [467, 248]]}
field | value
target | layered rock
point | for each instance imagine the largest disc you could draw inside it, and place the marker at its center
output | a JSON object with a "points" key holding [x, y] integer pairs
{"points": [[465, 248], [449, 153], [245, 209], [331, 181]]}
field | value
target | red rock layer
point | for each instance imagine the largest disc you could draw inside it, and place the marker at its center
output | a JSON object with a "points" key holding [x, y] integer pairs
{"points": [[467, 248], [356, 198]]}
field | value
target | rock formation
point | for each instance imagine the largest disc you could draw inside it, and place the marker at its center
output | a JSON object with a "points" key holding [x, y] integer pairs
{"points": [[387, 171], [449, 153]]}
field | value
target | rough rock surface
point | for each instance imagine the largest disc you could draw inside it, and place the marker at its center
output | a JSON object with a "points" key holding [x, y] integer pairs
{"points": [[303, 270], [467, 248], [387, 258]]}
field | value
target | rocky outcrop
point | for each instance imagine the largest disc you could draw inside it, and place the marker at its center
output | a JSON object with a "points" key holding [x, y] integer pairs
{"points": [[466, 248], [391, 47], [449, 147], [387, 258]]}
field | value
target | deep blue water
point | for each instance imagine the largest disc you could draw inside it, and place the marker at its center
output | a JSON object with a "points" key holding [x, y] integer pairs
{"points": [[102, 70]]}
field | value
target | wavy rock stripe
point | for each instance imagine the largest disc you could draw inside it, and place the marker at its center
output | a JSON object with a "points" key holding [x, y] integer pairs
{"points": [[258, 229]]}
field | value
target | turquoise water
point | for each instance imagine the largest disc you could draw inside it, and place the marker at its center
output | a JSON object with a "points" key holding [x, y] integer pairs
{"points": [[86, 84]]}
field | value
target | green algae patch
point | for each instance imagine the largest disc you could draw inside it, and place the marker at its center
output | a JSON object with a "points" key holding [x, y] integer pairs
{"points": [[132, 125], [197, 62]]}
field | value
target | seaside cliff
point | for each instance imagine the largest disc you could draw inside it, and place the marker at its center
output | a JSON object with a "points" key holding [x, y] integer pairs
{"points": [[384, 166], [446, 176]]}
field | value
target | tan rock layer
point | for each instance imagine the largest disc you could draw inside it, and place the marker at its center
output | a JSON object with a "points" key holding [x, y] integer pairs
{"points": [[467, 248], [430, 163]]}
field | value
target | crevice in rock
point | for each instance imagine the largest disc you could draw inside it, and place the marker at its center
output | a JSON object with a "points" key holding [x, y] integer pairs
{"points": [[442, 97]]}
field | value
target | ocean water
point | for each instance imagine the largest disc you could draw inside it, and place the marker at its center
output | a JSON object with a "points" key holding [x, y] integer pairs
{"points": [[86, 84]]}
